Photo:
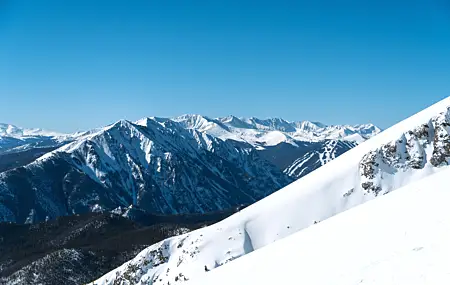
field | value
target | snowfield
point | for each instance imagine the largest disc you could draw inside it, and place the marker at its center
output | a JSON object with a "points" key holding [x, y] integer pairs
{"points": [[400, 238], [406, 153]]}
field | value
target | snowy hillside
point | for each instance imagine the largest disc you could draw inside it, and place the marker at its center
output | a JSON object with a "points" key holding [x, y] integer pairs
{"points": [[405, 153], [401, 238]]}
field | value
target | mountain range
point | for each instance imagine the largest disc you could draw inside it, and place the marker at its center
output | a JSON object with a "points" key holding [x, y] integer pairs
{"points": [[188, 164], [412, 150]]}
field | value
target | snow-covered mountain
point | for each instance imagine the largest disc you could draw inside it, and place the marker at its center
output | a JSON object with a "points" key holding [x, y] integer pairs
{"points": [[401, 238], [17, 132], [403, 154], [157, 165], [269, 132], [296, 147], [13, 138], [10, 130]]}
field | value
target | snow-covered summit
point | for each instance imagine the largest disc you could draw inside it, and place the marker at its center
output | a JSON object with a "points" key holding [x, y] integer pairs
{"points": [[8, 130], [403, 154]]}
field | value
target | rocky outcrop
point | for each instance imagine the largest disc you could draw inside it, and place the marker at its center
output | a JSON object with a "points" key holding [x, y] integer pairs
{"points": [[428, 143]]}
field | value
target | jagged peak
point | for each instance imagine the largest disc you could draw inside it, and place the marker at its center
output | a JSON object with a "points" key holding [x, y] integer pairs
{"points": [[145, 122], [199, 122], [185, 117], [308, 125], [274, 123], [10, 130]]}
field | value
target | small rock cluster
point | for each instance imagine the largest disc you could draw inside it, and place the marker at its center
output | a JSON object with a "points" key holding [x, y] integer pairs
{"points": [[409, 152]]}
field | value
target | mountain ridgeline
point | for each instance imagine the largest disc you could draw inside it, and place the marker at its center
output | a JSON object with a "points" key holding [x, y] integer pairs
{"points": [[162, 168], [190, 164]]}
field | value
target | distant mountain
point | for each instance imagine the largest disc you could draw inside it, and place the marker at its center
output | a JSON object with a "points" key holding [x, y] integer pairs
{"points": [[17, 132], [157, 165], [268, 132], [16, 139], [297, 148], [403, 154], [19, 147]]}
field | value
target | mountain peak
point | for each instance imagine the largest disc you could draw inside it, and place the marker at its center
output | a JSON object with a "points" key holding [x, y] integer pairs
{"points": [[198, 122], [10, 130], [309, 126]]}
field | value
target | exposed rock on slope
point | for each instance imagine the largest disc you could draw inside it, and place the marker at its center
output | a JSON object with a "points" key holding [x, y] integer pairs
{"points": [[427, 144]]}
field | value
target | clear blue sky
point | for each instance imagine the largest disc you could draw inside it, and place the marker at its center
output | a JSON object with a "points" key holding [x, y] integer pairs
{"points": [[73, 65]]}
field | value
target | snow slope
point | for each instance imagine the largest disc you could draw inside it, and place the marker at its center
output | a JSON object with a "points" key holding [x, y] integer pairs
{"points": [[401, 238], [403, 154]]}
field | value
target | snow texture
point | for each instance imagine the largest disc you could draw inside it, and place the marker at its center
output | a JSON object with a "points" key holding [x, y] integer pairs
{"points": [[401, 238]]}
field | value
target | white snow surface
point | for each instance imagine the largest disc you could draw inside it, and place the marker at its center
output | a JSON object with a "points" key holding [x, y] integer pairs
{"points": [[330, 190], [399, 239]]}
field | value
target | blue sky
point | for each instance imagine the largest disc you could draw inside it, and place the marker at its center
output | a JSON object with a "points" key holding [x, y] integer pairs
{"points": [[73, 65]]}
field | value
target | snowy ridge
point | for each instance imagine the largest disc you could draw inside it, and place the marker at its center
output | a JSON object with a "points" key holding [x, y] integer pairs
{"points": [[337, 186], [8, 130], [401, 238], [269, 132]]}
